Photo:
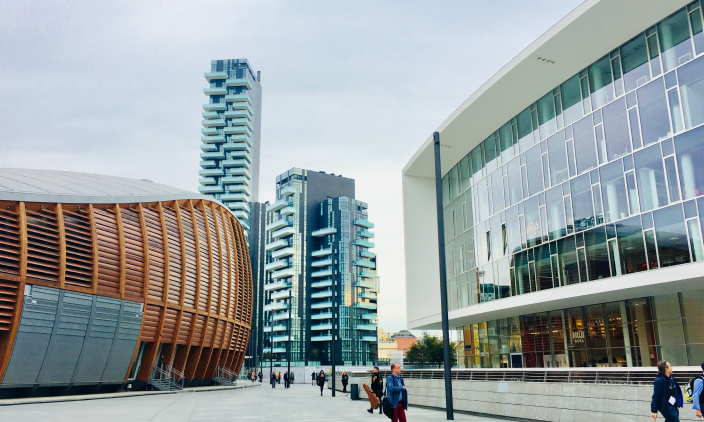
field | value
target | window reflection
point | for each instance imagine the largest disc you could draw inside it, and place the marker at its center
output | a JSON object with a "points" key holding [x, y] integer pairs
{"points": [[600, 82], [652, 106], [651, 178], [634, 58], [616, 131], [585, 148], [673, 33], [582, 207], [613, 188]]}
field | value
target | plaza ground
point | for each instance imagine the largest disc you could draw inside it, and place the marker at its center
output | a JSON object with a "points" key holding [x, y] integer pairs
{"points": [[302, 402]]}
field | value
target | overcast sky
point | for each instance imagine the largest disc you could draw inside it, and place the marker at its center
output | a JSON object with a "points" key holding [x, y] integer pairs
{"points": [[349, 87]]}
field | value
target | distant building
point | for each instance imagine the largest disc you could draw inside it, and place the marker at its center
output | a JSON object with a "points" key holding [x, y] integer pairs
{"points": [[404, 340], [385, 348], [383, 335]]}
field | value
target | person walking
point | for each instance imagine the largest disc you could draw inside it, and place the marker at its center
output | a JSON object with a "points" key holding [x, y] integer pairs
{"points": [[272, 380], [396, 393], [286, 379], [377, 387], [261, 376], [279, 378], [697, 395], [345, 380], [254, 375], [321, 381], [312, 377], [667, 395], [293, 378]]}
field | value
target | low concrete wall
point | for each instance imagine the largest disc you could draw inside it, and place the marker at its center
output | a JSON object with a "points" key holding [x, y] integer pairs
{"points": [[558, 402]]}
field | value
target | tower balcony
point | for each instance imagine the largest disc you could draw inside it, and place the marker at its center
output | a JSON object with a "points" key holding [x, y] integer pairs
{"points": [[207, 164], [206, 181], [282, 263], [215, 106], [208, 148], [241, 138], [209, 76], [288, 272], [235, 197], [235, 114], [239, 205], [367, 295], [369, 316], [288, 211], [324, 232], [286, 231], [276, 306], [241, 215], [221, 90], [321, 294], [276, 350], [279, 339], [366, 274], [242, 106], [321, 338], [321, 327], [236, 130], [209, 131], [280, 316], [365, 233], [322, 252], [213, 123], [228, 180], [210, 115], [212, 155], [238, 98], [323, 283], [288, 190], [246, 82], [366, 327], [211, 172], [271, 328], [371, 306], [363, 263], [281, 203], [240, 171], [365, 285], [321, 305], [281, 294], [364, 223], [364, 243], [210, 189], [367, 254], [283, 252], [322, 273], [237, 146], [235, 163], [281, 243], [216, 139], [241, 121], [277, 285], [321, 315], [369, 338]]}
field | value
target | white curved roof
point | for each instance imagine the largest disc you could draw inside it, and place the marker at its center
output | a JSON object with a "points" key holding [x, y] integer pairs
{"points": [[72, 187]]}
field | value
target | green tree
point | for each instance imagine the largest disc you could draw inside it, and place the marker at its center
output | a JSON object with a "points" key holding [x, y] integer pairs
{"points": [[428, 350]]}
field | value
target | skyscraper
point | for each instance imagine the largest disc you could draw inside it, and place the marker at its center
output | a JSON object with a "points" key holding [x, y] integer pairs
{"points": [[321, 274]]}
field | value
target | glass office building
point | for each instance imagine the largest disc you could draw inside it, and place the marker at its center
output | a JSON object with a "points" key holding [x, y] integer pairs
{"points": [[596, 181]]}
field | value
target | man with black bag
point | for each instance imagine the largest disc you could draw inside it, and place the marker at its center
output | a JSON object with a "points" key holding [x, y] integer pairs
{"points": [[377, 387], [395, 403]]}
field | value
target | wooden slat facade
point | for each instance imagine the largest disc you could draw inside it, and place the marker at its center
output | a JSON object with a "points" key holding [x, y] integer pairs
{"points": [[186, 260]]}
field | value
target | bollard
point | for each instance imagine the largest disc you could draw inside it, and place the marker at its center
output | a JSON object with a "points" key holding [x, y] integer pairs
{"points": [[354, 391]]}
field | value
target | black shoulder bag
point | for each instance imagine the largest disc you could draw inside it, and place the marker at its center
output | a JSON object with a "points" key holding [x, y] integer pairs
{"points": [[386, 404]]}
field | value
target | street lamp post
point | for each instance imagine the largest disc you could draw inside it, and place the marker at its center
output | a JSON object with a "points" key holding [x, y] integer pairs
{"points": [[443, 280], [332, 340]]}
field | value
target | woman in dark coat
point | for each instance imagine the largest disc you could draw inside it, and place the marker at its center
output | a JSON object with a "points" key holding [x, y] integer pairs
{"points": [[345, 380], [321, 381]]}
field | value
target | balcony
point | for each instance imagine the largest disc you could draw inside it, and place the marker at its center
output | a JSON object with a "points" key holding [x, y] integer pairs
{"points": [[369, 338], [208, 131], [288, 272], [364, 223], [280, 316], [277, 245], [245, 226], [366, 274], [322, 252], [209, 76], [322, 262], [321, 315], [321, 338], [281, 294], [363, 263], [206, 181], [236, 114], [215, 106], [239, 82], [238, 146], [274, 328], [362, 242], [321, 305], [324, 232], [283, 252], [277, 285], [281, 203], [371, 306], [286, 231], [240, 171], [288, 211], [238, 98], [324, 293], [210, 189], [276, 306], [235, 163], [228, 180], [366, 327], [210, 115], [367, 254], [322, 273], [241, 139], [213, 123], [235, 197], [288, 190], [208, 148], [222, 90], [323, 283], [279, 339], [242, 106], [237, 130], [241, 121], [366, 295], [238, 206], [371, 316], [207, 164], [241, 215], [210, 172], [213, 139], [365, 285], [276, 349], [212, 155], [321, 327], [365, 233], [278, 224], [282, 263]]}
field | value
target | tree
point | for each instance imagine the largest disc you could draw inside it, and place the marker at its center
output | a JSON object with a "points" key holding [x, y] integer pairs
{"points": [[266, 356], [428, 350]]}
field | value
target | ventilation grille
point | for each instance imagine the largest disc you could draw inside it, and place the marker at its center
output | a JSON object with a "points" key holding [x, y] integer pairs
{"points": [[9, 242], [134, 253], [42, 245], [191, 274], [173, 235], [79, 248], [108, 251]]}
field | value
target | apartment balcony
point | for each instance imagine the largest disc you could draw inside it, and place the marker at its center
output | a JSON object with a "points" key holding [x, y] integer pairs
{"points": [[240, 171], [363, 263], [281, 294], [321, 315], [237, 146], [241, 155], [207, 164], [370, 316], [211, 172], [283, 252], [278, 224], [322, 252], [274, 328], [241, 215], [365, 233], [212, 155], [366, 327], [241, 121], [213, 139], [367, 295], [288, 272], [276, 306], [208, 148], [241, 205], [288, 211], [279, 339], [280, 316], [215, 106], [367, 254], [210, 115], [228, 180], [235, 197], [209, 76], [362, 242], [276, 265], [242, 106], [288, 190], [208, 131], [322, 273], [277, 285], [245, 226], [241, 139], [235, 163], [238, 98], [240, 189], [238, 114], [221, 90], [364, 223], [365, 285], [213, 123], [321, 305], [286, 231], [369, 338], [277, 245], [281, 203], [366, 274], [321, 338], [206, 181], [324, 293], [321, 327], [276, 350], [322, 262], [371, 306], [324, 232], [237, 130], [210, 189], [239, 82], [323, 283]]}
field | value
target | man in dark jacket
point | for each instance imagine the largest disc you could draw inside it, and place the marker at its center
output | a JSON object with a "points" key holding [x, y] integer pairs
{"points": [[286, 379], [272, 380], [377, 387], [396, 393], [667, 395]]}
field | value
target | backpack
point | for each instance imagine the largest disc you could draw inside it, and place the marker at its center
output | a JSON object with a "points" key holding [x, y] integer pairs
{"points": [[689, 389]]}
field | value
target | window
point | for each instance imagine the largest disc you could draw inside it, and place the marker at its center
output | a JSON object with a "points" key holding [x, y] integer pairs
{"points": [[618, 139], [556, 213], [631, 251], [525, 130], [582, 207], [654, 114], [571, 100], [534, 170], [546, 116], [600, 82], [671, 236], [634, 58], [673, 33], [558, 158], [514, 181], [651, 178], [584, 143], [690, 156], [691, 77], [613, 191]]}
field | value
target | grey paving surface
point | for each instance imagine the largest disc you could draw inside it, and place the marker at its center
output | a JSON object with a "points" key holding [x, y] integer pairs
{"points": [[299, 403]]}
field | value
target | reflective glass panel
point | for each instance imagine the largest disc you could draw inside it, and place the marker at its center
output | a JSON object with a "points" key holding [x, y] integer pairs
{"points": [[514, 181], [533, 231], [543, 269], [569, 272], [571, 100], [497, 187], [634, 58], [601, 82], [691, 78], [616, 131], [558, 158], [556, 213], [534, 170], [671, 235], [597, 253], [613, 189], [582, 208], [584, 144], [546, 116], [652, 106], [651, 178], [525, 130], [675, 46], [631, 250]]}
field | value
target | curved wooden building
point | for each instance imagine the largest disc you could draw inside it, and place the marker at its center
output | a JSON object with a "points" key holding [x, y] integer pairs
{"points": [[103, 278]]}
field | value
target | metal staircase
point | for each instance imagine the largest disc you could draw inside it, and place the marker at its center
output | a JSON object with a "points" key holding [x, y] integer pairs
{"points": [[224, 376], [166, 378]]}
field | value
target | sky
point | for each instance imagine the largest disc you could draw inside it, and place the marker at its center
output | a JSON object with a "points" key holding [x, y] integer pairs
{"points": [[349, 87]]}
